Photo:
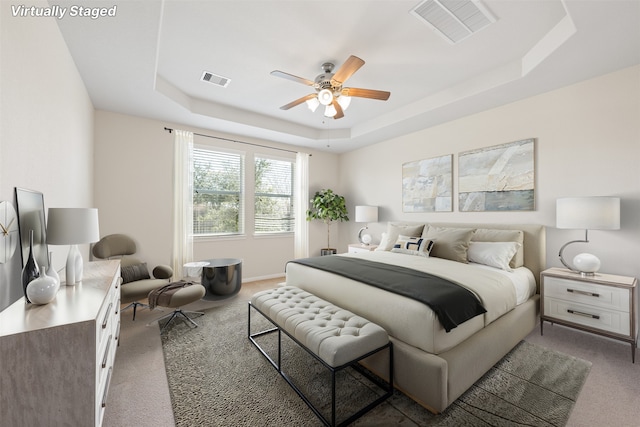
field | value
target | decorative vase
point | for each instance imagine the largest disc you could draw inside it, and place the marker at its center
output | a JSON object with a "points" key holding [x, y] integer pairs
{"points": [[30, 270], [51, 272], [43, 289]]}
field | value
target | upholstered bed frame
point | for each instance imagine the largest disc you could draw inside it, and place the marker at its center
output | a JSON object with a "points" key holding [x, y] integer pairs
{"points": [[436, 381]]}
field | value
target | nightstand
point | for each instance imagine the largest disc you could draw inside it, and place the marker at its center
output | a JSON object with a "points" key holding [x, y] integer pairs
{"points": [[602, 304], [357, 247]]}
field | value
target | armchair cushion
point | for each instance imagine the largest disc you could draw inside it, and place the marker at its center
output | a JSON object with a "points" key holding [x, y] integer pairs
{"points": [[163, 272], [139, 290]]}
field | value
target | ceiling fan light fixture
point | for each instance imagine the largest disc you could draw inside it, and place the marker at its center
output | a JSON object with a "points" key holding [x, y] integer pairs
{"points": [[330, 111], [344, 102], [325, 97], [313, 104]]}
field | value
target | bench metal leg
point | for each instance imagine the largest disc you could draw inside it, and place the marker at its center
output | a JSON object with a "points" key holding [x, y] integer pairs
{"points": [[387, 386]]}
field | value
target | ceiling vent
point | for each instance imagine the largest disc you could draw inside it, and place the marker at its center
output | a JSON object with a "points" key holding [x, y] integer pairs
{"points": [[215, 79], [455, 20]]}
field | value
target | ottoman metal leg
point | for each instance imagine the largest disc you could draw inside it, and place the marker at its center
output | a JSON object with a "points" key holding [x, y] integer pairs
{"points": [[182, 315]]}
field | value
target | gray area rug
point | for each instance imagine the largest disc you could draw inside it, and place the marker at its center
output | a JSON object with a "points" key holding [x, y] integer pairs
{"points": [[218, 378]]}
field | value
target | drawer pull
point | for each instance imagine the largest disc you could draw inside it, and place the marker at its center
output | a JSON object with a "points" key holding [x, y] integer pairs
{"points": [[579, 313], [106, 388], [105, 358], [589, 294], [105, 321]]}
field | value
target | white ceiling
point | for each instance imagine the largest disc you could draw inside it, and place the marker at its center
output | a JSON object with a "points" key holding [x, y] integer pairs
{"points": [[148, 60]]}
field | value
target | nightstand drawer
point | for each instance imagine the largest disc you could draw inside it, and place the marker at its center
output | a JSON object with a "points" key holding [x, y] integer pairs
{"points": [[606, 297], [613, 321]]}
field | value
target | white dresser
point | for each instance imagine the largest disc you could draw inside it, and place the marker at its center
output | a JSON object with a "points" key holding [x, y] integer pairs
{"points": [[57, 358], [602, 304]]}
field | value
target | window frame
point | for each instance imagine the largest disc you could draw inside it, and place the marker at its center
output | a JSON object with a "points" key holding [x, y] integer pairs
{"points": [[292, 194]]}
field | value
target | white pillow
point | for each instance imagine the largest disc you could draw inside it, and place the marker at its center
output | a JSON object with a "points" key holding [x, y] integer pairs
{"points": [[493, 254], [384, 242], [413, 246]]}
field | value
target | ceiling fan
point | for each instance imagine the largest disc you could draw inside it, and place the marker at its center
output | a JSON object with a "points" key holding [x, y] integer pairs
{"points": [[329, 90]]}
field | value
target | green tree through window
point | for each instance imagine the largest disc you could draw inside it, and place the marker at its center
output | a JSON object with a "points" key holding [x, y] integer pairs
{"points": [[274, 205], [217, 192]]}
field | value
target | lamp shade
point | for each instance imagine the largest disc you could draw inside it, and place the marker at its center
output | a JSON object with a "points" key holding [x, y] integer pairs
{"points": [[344, 102], [330, 111], [588, 213], [313, 104], [366, 213], [72, 226], [325, 97]]}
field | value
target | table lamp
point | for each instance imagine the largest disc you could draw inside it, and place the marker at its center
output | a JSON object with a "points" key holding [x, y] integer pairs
{"points": [[73, 226], [366, 214], [588, 213]]}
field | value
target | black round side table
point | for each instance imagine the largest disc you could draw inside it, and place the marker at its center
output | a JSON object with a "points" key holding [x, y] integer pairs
{"points": [[222, 278]]}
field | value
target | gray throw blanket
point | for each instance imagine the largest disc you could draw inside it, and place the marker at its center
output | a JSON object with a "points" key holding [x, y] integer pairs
{"points": [[452, 303], [162, 296]]}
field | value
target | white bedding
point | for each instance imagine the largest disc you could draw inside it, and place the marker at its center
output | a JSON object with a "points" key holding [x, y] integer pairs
{"points": [[522, 279], [412, 321]]}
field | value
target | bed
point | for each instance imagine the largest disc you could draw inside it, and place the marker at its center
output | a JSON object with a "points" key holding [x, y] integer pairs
{"points": [[435, 364]]}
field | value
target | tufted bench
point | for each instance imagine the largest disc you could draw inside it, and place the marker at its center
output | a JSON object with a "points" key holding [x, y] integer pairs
{"points": [[335, 337]]}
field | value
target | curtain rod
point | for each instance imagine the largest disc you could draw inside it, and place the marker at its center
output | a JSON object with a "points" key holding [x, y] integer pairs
{"points": [[239, 142]]}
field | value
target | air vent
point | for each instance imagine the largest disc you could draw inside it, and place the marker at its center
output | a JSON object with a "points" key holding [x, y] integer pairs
{"points": [[215, 79], [455, 20]]}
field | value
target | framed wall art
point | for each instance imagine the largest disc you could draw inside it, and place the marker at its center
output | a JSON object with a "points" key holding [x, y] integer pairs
{"points": [[497, 178], [427, 185]]}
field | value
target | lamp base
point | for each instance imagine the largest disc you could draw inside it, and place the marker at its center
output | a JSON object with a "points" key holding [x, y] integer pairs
{"points": [[362, 238], [586, 264], [73, 270]]}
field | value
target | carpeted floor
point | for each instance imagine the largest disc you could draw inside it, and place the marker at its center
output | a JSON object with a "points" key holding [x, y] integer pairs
{"points": [[217, 378]]}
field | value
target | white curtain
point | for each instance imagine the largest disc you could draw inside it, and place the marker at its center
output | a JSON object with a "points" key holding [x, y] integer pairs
{"points": [[182, 202], [302, 203]]}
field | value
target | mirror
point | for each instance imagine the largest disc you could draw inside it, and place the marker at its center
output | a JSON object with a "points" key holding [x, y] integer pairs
{"points": [[30, 207]]}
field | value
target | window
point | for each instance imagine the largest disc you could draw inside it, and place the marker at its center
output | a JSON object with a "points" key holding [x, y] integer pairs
{"points": [[218, 184], [274, 205]]}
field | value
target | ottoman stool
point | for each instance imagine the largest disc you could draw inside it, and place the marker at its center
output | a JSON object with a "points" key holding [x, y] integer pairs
{"points": [[175, 295]]}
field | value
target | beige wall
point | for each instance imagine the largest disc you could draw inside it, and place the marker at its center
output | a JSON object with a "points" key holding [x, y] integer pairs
{"points": [[133, 191], [46, 122], [588, 143]]}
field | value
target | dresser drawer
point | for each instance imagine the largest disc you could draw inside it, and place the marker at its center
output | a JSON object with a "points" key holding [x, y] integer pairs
{"points": [[602, 296], [613, 321]]}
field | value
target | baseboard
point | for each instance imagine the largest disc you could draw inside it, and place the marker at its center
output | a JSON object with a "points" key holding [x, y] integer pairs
{"points": [[259, 278]]}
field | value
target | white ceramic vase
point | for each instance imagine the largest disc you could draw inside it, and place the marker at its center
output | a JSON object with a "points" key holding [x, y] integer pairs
{"points": [[43, 289], [51, 271]]}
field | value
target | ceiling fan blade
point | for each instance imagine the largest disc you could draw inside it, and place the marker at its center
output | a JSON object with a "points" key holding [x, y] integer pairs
{"points": [[339, 112], [298, 101], [350, 66], [291, 77], [366, 93]]}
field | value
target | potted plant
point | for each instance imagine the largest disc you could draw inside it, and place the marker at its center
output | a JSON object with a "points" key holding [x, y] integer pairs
{"points": [[328, 207]]}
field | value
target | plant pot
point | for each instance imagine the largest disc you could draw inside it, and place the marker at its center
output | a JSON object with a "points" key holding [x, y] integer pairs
{"points": [[328, 251]]}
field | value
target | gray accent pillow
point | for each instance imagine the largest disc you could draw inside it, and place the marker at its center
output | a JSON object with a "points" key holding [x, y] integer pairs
{"points": [[134, 272], [396, 229], [449, 243], [498, 235]]}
